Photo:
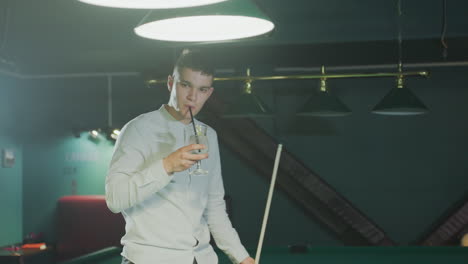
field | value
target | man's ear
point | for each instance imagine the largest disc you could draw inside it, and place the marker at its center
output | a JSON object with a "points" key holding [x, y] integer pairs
{"points": [[170, 82]]}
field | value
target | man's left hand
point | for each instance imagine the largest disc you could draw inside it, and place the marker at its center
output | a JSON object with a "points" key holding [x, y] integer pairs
{"points": [[248, 260]]}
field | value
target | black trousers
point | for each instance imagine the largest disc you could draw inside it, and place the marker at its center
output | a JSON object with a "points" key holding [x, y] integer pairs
{"points": [[126, 261]]}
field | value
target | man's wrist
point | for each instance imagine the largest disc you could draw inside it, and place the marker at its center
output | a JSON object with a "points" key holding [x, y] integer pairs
{"points": [[167, 167]]}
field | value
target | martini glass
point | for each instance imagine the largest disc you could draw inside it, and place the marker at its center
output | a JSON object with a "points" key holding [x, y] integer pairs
{"points": [[199, 137]]}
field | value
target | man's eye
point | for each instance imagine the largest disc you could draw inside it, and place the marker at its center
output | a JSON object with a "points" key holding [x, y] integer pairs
{"points": [[204, 90]]}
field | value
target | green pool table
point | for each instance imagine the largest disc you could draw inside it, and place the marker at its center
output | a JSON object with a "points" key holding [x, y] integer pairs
{"points": [[326, 255], [363, 255]]}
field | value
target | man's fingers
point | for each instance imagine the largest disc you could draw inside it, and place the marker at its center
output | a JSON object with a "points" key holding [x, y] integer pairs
{"points": [[189, 156], [188, 163], [193, 147], [184, 158], [198, 146]]}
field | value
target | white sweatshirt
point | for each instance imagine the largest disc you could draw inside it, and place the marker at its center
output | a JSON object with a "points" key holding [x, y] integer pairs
{"points": [[168, 217]]}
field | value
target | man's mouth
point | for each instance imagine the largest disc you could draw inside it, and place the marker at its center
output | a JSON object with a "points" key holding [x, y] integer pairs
{"points": [[188, 107]]}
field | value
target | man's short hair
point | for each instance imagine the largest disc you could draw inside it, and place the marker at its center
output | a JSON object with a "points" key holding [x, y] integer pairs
{"points": [[195, 60]]}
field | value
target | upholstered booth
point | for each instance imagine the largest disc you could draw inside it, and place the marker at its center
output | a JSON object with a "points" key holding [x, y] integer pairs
{"points": [[87, 229]]}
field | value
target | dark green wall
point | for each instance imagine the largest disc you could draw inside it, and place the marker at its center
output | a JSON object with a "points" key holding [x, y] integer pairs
{"points": [[59, 166], [11, 220], [403, 172], [287, 224]]}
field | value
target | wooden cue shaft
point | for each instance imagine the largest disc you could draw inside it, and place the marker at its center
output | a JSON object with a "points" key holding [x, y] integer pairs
{"points": [[267, 208]]}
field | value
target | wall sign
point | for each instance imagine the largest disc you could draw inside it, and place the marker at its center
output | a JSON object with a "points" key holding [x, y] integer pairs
{"points": [[8, 158]]}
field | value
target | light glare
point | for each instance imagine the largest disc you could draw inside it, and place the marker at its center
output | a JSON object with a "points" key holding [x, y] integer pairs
{"points": [[204, 28], [150, 4], [94, 133]]}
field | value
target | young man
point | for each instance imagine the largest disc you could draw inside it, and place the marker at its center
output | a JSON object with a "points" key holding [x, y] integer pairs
{"points": [[169, 213]]}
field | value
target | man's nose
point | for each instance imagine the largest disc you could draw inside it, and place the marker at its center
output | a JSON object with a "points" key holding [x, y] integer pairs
{"points": [[192, 95]]}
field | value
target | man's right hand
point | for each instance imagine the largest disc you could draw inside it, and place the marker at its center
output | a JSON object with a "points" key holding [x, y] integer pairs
{"points": [[183, 158]]}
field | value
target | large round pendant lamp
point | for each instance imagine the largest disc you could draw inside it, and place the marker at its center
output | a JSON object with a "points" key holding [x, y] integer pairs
{"points": [[229, 20], [150, 4]]}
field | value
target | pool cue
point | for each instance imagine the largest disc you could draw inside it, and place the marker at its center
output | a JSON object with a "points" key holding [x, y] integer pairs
{"points": [[267, 208]]}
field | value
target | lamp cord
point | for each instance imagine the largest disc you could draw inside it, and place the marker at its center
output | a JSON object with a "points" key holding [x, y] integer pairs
{"points": [[444, 29], [4, 59], [399, 18], [143, 19], [109, 100], [5, 28]]}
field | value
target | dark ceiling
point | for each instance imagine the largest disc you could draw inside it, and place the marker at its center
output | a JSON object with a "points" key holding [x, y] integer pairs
{"points": [[67, 36]]}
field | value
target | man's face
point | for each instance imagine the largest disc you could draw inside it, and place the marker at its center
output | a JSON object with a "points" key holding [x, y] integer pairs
{"points": [[189, 89]]}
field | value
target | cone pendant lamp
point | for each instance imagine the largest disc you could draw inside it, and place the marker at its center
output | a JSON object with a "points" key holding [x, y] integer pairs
{"points": [[248, 105], [323, 103], [400, 101]]}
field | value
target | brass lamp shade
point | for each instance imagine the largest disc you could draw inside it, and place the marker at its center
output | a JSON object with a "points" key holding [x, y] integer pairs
{"points": [[248, 105], [228, 20], [325, 105], [400, 101]]}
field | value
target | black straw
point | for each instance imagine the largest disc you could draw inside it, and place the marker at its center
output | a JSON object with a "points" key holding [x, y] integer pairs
{"points": [[193, 124]]}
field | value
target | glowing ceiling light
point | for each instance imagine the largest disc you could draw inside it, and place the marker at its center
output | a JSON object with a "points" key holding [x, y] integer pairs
{"points": [[205, 28], [230, 20], [115, 134], [150, 4], [94, 133]]}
